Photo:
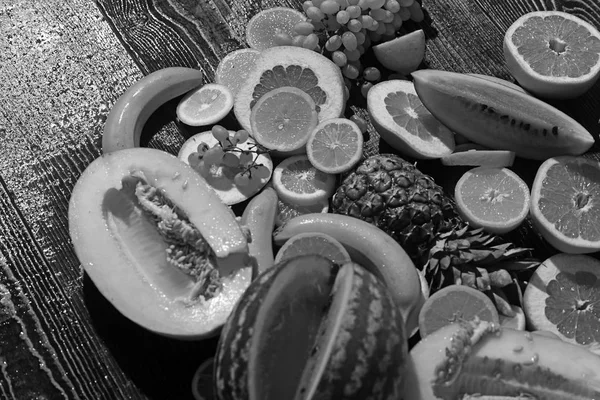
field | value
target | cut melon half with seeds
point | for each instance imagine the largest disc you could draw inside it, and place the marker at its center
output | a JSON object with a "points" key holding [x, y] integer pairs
{"points": [[305, 69]]}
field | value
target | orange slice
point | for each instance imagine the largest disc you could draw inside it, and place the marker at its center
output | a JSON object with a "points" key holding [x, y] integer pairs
{"points": [[298, 182], [234, 68], [553, 54], [205, 105], [313, 243], [261, 29], [496, 199], [335, 145], [563, 297], [452, 304], [283, 119], [405, 124], [565, 203]]}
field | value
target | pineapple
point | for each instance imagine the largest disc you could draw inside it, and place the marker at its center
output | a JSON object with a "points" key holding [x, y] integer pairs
{"points": [[394, 195]]}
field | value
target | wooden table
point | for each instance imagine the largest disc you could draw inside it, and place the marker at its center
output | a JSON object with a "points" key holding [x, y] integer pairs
{"points": [[63, 64]]}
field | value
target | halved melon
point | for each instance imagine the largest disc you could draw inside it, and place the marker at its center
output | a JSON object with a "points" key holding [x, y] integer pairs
{"points": [[146, 272], [293, 66]]}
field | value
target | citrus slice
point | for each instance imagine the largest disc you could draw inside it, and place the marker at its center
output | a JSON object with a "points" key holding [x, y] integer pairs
{"points": [[495, 199], [335, 145], [222, 177], [262, 27], [455, 303], [205, 105], [313, 243], [234, 68], [405, 124], [287, 211], [517, 321], [298, 182], [565, 203], [293, 66], [563, 297], [202, 382], [480, 158], [402, 54], [283, 119], [553, 54]]}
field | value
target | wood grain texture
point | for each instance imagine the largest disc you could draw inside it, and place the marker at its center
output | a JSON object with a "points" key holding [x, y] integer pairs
{"points": [[64, 65]]}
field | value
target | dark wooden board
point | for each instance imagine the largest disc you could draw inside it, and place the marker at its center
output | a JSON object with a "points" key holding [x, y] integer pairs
{"points": [[64, 64]]}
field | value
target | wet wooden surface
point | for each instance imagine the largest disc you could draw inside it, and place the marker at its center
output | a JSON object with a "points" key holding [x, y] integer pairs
{"points": [[63, 64]]}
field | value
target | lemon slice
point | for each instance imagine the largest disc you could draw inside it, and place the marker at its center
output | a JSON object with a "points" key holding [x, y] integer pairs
{"points": [[261, 29], [234, 68], [335, 145], [298, 182], [205, 105]]}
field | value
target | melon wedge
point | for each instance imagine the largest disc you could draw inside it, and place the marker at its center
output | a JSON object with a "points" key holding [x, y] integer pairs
{"points": [[292, 66]]}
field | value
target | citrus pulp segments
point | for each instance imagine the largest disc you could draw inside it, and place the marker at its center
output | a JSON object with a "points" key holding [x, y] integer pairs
{"points": [[313, 243], [298, 182], [283, 119], [453, 304], [292, 66], [261, 29], [335, 145], [559, 185], [496, 199], [205, 105], [563, 297], [233, 69], [530, 50], [221, 178], [405, 124]]}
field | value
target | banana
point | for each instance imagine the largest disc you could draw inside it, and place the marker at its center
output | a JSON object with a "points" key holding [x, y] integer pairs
{"points": [[130, 113], [372, 248], [259, 218]]}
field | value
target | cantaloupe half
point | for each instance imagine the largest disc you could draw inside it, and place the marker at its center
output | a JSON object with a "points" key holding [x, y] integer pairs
{"points": [[293, 66], [125, 255]]}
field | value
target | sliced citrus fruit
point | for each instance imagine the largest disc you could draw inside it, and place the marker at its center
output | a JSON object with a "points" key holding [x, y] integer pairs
{"points": [[480, 158], [517, 321], [283, 119], [262, 27], [234, 68], [298, 182], [495, 199], [293, 66], [563, 297], [404, 123], [205, 105], [202, 382], [335, 145], [402, 54], [287, 211], [565, 203], [553, 54], [455, 303], [221, 177], [313, 243]]}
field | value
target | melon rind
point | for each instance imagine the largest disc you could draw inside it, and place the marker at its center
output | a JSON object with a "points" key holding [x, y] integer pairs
{"points": [[329, 77]]}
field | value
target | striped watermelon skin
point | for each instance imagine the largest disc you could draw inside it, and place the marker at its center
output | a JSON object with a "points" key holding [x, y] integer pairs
{"points": [[234, 347], [231, 360], [368, 359]]}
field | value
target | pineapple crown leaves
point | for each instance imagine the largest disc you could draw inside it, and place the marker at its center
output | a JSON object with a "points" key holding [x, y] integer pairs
{"points": [[469, 256]]}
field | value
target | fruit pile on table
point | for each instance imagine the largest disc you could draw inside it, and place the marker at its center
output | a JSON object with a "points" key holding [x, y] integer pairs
{"points": [[330, 272]]}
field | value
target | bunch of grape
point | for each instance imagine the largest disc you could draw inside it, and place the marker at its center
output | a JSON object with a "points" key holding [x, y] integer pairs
{"points": [[344, 29], [241, 163]]}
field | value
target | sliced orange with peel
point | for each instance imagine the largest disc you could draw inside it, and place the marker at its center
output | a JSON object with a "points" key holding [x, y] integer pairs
{"points": [[404, 122], [455, 303], [335, 145], [565, 203], [234, 68], [495, 199], [262, 27], [283, 119], [553, 54], [205, 105]]}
